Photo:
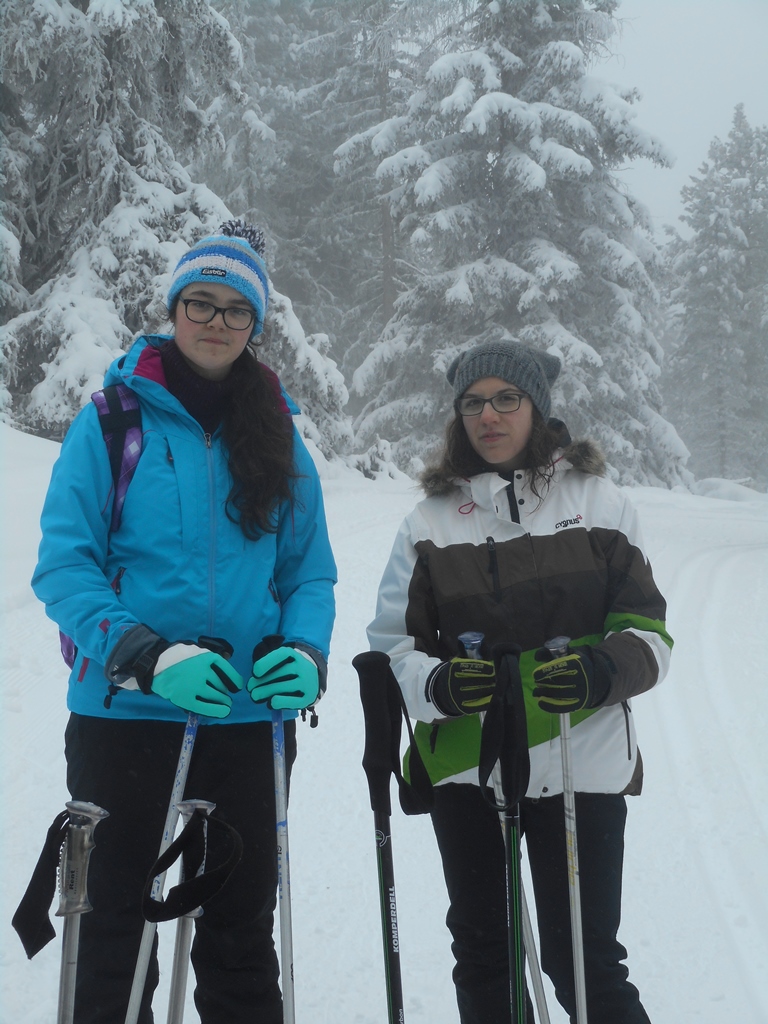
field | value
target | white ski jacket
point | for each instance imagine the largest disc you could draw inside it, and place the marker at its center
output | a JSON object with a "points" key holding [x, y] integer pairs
{"points": [[572, 565]]}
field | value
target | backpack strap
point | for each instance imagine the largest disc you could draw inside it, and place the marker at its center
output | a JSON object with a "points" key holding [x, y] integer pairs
{"points": [[120, 422]]}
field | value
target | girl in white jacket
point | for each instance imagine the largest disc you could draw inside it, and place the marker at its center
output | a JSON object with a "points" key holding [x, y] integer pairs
{"points": [[522, 538]]}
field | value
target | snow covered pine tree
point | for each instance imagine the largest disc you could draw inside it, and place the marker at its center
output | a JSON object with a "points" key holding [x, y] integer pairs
{"points": [[108, 103], [718, 375], [500, 173]]}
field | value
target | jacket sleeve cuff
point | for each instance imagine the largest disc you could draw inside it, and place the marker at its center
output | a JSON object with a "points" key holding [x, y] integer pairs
{"points": [[319, 660], [630, 664], [436, 686], [134, 656]]}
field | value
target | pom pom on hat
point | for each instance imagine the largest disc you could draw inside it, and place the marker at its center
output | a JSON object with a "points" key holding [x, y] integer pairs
{"points": [[235, 257], [527, 368], [241, 229]]}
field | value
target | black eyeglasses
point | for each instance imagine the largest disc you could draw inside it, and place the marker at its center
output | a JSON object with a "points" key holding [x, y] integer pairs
{"points": [[473, 405], [235, 317]]}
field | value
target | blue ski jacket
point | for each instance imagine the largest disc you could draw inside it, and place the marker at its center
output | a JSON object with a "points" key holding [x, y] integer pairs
{"points": [[176, 563]]}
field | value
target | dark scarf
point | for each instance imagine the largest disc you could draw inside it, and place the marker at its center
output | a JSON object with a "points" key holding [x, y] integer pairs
{"points": [[204, 399]]}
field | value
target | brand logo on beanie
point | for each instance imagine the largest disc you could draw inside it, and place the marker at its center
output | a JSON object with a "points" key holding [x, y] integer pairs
{"points": [[233, 257]]}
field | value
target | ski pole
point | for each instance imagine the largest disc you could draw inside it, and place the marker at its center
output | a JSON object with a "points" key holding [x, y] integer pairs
{"points": [[73, 900], [558, 648], [225, 649], [267, 644], [183, 941], [283, 866], [373, 670], [171, 818], [529, 944], [517, 923]]}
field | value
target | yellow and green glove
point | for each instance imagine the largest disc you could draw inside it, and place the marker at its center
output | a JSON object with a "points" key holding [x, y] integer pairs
{"points": [[575, 681], [461, 686]]}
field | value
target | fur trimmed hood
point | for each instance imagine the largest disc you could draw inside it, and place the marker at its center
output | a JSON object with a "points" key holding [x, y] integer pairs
{"points": [[584, 455]]}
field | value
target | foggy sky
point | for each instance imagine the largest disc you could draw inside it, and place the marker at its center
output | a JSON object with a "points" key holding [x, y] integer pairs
{"points": [[693, 61]]}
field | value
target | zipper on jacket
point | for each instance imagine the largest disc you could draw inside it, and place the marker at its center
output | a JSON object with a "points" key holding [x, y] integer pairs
{"points": [[627, 712], [433, 737], [493, 567], [116, 582], [514, 511], [212, 532]]}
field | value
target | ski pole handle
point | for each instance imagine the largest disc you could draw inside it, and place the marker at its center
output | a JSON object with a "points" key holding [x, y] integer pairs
{"points": [[73, 873], [372, 668], [471, 641], [381, 715], [558, 646], [73, 879]]}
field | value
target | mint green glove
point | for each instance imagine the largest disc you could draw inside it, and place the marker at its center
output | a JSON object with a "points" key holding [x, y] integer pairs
{"points": [[285, 679], [196, 680]]}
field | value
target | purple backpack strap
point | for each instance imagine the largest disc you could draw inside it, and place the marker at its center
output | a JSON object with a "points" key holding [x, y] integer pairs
{"points": [[120, 421]]}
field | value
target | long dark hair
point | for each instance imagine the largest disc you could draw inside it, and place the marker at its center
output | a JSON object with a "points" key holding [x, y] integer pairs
{"points": [[258, 432], [459, 459]]}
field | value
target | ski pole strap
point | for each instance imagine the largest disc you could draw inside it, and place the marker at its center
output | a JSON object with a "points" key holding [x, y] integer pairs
{"points": [[31, 919], [194, 843], [416, 797], [383, 712], [504, 737]]}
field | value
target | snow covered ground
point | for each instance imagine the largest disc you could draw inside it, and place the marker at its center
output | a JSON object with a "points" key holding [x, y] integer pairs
{"points": [[696, 904]]}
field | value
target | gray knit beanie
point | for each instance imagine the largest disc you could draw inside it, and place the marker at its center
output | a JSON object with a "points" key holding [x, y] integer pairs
{"points": [[527, 368]]}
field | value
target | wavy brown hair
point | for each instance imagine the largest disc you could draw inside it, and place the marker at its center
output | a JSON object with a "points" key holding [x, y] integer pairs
{"points": [[459, 459], [258, 433]]}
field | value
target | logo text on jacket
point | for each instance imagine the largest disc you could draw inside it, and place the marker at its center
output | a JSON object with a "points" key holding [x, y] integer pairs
{"points": [[569, 522]]}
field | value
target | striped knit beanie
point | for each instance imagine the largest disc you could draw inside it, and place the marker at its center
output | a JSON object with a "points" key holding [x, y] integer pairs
{"points": [[235, 257], [527, 368]]}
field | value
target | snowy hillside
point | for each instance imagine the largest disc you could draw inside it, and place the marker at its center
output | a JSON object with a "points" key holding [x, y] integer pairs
{"points": [[696, 908]]}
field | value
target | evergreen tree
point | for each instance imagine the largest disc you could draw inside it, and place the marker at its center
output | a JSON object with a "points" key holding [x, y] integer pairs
{"points": [[110, 92], [718, 374], [99, 205], [290, 50], [267, 173], [15, 202], [323, 72], [310, 376], [372, 93], [501, 177]]}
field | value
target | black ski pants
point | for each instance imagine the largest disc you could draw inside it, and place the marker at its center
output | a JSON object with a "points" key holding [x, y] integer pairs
{"points": [[128, 768], [472, 850]]}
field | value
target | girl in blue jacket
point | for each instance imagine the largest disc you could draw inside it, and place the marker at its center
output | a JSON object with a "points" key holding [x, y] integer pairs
{"points": [[222, 534]]}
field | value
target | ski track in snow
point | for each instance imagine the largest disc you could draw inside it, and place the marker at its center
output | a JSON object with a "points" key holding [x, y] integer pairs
{"points": [[695, 907], [701, 823]]}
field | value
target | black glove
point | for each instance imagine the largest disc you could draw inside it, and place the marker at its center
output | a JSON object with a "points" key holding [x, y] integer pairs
{"points": [[462, 686], [575, 681]]}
